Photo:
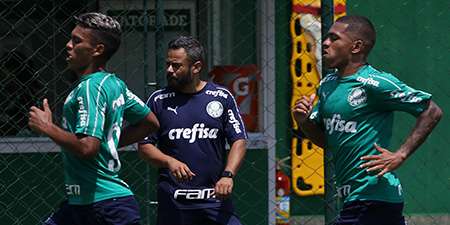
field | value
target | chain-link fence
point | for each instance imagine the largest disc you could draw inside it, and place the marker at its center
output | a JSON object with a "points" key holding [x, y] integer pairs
{"points": [[33, 35], [410, 49], [265, 51]]}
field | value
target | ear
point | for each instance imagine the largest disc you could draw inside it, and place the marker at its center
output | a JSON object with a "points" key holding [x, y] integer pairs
{"points": [[99, 50], [196, 67], [357, 46]]}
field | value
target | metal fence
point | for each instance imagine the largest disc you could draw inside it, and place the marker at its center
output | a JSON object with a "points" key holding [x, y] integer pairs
{"points": [[410, 48], [33, 35], [258, 38]]}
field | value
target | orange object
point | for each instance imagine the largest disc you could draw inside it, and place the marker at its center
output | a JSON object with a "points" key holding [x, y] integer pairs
{"points": [[242, 82]]}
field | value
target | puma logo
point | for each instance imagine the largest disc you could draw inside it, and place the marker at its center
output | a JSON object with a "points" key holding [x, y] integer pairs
{"points": [[174, 110]]}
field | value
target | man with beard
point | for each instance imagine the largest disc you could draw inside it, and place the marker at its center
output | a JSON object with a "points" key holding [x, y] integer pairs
{"points": [[354, 117], [93, 115], [197, 119]]}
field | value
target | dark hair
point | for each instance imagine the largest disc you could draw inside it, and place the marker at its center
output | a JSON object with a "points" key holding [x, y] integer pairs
{"points": [[361, 28], [105, 29], [193, 48]]}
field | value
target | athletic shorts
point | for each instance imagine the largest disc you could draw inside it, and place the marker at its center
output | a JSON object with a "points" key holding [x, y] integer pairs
{"points": [[192, 212], [115, 211], [208, 216], [371, 213]]}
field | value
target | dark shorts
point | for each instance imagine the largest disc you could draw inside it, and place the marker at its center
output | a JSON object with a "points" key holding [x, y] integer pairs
{"points": [[192, 212], [115, 211], [209, 216], [371, 213]]}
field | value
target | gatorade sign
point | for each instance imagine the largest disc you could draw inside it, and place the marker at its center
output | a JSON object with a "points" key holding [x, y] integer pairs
{"points": [[242, 82]]}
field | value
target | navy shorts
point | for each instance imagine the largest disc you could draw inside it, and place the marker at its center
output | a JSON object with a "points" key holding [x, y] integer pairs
{"points": [[115, 211], [208, 216], [371, 213]]}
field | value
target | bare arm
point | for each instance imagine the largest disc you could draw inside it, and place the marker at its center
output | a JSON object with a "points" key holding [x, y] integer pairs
{"points": [[425, 123], [154, 156], [137, 132], [224, 187], [388, 161], [301, 111], [81, 145], [235, 156]]}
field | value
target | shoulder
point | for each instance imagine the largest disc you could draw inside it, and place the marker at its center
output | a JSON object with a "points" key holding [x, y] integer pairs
{"points": [[105, 82], [376, 79], [327, 82], [328, 78], [217, 91], [103, 77], [111, 81]]}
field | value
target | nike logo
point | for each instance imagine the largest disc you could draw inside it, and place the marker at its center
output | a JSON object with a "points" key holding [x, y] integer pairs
{"points": [[174, 110]]}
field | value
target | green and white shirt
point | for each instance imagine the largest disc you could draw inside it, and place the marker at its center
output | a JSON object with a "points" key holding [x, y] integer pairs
{"points": [[355, 112], [97, 108]]}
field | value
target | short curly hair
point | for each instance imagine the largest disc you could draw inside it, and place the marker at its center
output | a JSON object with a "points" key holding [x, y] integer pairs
{"points": [[106, 30]]}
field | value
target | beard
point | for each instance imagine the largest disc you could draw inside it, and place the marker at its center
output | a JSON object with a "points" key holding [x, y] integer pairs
{"points": [[178, 83]]}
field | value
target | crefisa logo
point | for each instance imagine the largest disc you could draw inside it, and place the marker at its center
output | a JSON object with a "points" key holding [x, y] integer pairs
{"points": [[357, 96]]}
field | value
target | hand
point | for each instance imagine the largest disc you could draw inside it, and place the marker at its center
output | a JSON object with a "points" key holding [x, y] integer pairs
{"points": [[385, 162], [224, 187], [303, 108], [179, 170], [40, 120]]}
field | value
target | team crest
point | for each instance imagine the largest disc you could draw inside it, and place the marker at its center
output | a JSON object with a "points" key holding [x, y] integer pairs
{"points": [[357, 96], [214, 109]]}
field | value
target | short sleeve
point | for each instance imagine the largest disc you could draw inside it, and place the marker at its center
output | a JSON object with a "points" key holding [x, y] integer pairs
{"points": [[91, 104], [135, 109], [393, 94], [153, 137], [234, 126]]}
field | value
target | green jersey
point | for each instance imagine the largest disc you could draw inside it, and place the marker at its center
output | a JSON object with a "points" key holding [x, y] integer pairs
{"points": [[355, 112], [97, 108]]}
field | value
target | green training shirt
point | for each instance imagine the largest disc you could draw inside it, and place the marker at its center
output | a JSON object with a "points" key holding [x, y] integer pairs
{"points": [[97, 108], [355, 112]]}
